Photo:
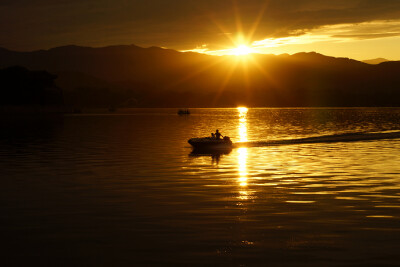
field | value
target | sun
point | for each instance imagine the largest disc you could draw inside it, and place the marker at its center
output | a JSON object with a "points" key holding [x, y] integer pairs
{"points": [[242, 109], [242, 50]]}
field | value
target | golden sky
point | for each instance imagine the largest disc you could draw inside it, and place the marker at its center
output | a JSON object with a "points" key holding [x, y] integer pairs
{"points": [[374, 39], [360, 29]]}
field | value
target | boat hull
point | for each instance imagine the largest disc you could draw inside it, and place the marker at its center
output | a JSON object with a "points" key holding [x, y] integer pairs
{"points": [[208, 143]]}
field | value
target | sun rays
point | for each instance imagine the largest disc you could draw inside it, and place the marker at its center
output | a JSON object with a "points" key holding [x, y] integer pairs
{"points": [[237, 63], [242, 50]]}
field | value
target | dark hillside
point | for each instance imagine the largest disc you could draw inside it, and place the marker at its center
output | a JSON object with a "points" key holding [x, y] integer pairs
{"points": [[156, 77]]}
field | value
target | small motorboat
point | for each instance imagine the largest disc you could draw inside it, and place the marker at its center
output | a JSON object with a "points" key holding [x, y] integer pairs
{"points": [[211, 143], [183, 112]]}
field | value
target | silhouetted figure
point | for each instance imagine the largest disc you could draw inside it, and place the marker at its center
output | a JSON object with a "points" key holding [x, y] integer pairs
{"points": [[212, 135], [218, 134]]}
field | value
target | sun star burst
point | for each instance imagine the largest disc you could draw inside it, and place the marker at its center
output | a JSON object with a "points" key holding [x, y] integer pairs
{"points": [[242, 50]]}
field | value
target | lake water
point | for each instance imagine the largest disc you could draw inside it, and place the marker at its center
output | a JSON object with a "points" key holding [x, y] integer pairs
{"points": [[124, 189]]}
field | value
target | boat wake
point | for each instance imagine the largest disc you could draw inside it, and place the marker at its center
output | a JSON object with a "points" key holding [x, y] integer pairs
{"points": [[346, 137]]}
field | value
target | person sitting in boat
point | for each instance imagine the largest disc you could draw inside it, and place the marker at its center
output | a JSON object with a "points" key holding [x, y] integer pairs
{"points": [[213, 135], [218, 135]]}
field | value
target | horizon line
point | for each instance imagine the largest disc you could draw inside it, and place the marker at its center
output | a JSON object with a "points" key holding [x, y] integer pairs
{"points": [[186, 51]]}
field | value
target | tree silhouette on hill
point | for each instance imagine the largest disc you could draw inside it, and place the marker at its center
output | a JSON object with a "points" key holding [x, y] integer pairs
{"points": [[21, 87]]}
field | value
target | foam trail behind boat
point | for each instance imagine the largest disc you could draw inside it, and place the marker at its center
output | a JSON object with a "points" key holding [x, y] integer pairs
{"points": [[346, 137]]}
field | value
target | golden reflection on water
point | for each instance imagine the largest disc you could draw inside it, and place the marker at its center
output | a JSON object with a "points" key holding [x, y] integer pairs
{"points": [[242, 124], [242, 162], [242, 153]]}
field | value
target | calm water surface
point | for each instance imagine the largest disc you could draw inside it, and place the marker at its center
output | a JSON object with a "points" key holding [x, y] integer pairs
{"points": [[125, 189]]}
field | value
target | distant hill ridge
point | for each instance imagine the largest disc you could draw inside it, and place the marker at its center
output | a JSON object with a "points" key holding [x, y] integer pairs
{"points": [[157, 77]]}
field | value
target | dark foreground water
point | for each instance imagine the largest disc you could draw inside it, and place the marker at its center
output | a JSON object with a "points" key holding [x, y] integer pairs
{"points": [[124, 189]]}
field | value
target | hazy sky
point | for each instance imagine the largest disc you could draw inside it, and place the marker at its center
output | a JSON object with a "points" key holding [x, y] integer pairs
{"points": [[360, 29]]}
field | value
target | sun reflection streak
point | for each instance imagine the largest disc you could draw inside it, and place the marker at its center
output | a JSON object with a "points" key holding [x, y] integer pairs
{"points": [[242, 152], [242, 124]]}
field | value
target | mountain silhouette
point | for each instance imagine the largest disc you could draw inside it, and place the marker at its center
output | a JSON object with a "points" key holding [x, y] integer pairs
{"points": [[156, 77]]}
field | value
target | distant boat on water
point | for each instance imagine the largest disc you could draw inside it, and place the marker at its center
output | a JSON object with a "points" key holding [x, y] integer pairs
{"points": [[77, 111], [183, 112]]}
